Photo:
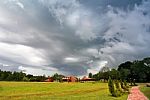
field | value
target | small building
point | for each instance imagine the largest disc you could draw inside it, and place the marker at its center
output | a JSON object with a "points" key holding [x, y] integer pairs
{"points": [[70, 79], [49, 79], [87, 79]]}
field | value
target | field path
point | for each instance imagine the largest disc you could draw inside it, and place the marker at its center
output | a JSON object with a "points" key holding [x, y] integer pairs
{"points": [[136, 94]]}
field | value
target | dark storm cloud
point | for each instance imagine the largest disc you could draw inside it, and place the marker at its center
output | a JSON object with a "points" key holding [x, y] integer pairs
{"points": [[72, 36]]}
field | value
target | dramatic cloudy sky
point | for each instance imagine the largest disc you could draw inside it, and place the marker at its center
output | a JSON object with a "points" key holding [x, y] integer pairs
{"points": [[72, 37]]}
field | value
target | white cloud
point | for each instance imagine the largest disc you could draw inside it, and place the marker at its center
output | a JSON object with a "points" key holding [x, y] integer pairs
{"points": [[22, 54], [60, 9], [6, 35], [74, 15], [38, 71], [119, 48], [71, 59], [127, 36], [73, 19], [20, 5], [92, 51], [96, 68]]}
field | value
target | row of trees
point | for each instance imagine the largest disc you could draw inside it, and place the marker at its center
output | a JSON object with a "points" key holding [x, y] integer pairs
{"points": [[58, 77], [117, 88], [114, 74], [9, 76], [136, 71], [19, 76]]}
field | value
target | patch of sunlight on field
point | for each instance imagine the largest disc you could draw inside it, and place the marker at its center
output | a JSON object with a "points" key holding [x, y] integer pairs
{"points": [[55, 91]]}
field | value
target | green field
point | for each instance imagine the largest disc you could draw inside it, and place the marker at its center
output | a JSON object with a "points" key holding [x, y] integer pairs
{"points": [[145, 90], [55, 91]]}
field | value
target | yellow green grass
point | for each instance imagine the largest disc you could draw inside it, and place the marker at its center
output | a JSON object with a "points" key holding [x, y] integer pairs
{"points": [[55, 91], [145, 90]]}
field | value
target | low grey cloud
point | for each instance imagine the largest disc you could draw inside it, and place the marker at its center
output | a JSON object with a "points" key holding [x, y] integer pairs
{"points": [[72, 37]]}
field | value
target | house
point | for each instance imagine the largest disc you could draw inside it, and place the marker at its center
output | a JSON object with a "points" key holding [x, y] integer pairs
{"points": [[87, 79], [49, 79], [70, 79]]}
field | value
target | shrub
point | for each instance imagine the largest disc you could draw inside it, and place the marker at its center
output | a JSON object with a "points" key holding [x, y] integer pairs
{"points": [[125, 83], [118, 86], [111, 86], [117, 93], [25, 79], [114, 91], [119, 90], [122, 84], [125, 86]]}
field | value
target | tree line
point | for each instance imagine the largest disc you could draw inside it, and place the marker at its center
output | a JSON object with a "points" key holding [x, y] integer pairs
{"points": [[131, 71], [19, 76]]}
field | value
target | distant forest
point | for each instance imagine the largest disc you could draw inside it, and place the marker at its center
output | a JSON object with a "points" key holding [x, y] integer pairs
{"points": [[131, 71]]}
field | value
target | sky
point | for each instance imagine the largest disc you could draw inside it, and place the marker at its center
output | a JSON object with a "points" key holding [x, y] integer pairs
{"points": [[72, 37]]}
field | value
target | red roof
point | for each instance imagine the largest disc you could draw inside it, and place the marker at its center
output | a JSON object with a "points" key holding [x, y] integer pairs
{"points": [[87, 79]]}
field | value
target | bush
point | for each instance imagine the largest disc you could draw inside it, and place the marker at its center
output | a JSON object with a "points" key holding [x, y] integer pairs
{"points": [[111, 86], [25, 79], [117, 93], [114, 91], [125, 83], [125, 86], [118, 87]]}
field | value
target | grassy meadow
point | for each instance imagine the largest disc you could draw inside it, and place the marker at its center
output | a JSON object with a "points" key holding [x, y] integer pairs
{"points": [[55, 91], [145, 90]]}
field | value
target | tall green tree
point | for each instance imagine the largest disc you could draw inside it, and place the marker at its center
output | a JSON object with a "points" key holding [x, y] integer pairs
{"points": [[114, 74], [90, 75], [111, 86]]}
